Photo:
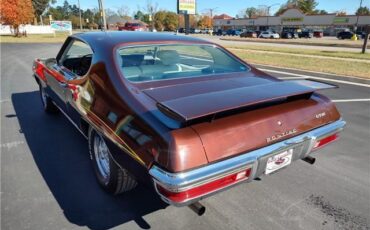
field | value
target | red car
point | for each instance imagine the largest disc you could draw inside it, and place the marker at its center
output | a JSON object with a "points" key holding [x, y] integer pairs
{"points": [[133, 26], [182, 115]]}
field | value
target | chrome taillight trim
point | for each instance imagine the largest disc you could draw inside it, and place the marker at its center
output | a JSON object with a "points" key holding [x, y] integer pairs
{"points": [[177, 182]]}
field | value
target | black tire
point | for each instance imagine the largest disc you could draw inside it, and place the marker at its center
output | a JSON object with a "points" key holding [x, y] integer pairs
{"points": [[46, 101], [119, 180]]}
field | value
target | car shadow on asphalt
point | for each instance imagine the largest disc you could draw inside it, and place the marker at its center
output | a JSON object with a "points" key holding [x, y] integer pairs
{"points": [[61, 154]]}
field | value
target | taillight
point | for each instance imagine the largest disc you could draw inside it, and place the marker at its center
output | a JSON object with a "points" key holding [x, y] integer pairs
{"points": [[205, 188], [325, 141]]}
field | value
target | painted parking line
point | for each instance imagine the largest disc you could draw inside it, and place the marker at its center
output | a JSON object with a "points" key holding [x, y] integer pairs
{"points": [[310, 71], [317, 78], [350, 100]]}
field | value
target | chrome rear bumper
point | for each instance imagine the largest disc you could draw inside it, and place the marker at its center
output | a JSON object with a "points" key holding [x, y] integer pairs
{"points": [[302, 145]]}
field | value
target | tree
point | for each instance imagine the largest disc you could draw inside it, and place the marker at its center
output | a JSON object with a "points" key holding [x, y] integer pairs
{"points": [[251, 12], [171, 21], [151, 9], [139, 15], [306, 6], [16, 12], [205, 22], [40, 6], [320, 12], [124, 12], [66, 9], [56, 13], [341, 13], [364, 10], [159, 18]]}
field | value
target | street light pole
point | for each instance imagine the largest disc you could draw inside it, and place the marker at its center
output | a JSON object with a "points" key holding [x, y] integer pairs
{"points": [[268, 12], [79, 9], [102, 14], [357, 18]]}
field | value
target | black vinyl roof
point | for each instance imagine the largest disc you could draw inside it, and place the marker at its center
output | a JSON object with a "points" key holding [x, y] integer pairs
{"points": [[110, 39]]}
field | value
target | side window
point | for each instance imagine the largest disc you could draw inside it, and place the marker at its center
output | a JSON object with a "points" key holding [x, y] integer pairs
{"points": [[77, 57]]}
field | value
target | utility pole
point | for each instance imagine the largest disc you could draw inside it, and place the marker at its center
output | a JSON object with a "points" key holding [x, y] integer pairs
{"points": [[356, 26], [211, 10], [366, 38], [102, 14], [79, 10], [268, 12]]}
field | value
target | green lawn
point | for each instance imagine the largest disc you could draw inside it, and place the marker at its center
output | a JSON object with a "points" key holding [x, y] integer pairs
{"points": [[325, 53], [341, 67]]}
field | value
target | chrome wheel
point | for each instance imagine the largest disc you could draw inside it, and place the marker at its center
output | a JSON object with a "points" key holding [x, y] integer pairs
{"points": [[102, 158]]}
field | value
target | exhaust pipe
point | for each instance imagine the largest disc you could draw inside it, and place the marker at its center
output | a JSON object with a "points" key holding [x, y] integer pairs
{"points": [[309, 159], [198, 208]]}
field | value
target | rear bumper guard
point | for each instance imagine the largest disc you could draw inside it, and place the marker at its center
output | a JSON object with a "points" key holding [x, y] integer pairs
{"points": [[255, 160]]}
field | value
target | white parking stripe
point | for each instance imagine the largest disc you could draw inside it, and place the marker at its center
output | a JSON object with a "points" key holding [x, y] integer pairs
{"points": [[310, 71], [351, 100], [318, 78]]}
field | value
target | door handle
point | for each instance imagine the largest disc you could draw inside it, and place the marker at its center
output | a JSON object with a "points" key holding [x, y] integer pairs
{"points": [[63, 84]]}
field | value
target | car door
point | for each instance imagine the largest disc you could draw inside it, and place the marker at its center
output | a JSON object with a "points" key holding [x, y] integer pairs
{"points": [[56, 81]]}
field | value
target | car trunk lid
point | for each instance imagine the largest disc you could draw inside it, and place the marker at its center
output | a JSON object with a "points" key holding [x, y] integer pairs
{"points": [[193, 102]]}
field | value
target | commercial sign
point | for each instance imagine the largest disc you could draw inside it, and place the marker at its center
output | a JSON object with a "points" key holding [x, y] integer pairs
{"points": [[186, 6], [61, 25], [341, 20], [292, 19]]}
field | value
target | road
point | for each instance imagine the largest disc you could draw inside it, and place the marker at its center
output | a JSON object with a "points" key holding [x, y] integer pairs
{"points": [[47, 181]]}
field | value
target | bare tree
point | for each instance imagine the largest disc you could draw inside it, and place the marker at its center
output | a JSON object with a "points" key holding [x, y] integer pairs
{"points": [[151, 9], [123, 11]]}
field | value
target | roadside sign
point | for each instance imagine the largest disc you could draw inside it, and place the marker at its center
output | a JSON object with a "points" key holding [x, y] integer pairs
{"points": [[61, 26], [186, 6]]}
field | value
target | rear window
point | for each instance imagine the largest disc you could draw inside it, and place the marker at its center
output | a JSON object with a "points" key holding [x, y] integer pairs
{"points": [[163, 62]]}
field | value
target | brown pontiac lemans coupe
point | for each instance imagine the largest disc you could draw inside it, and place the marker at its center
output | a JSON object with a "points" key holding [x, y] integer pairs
{"points": [[181, 114]]}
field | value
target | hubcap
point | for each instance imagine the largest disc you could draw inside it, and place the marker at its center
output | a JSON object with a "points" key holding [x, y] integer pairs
{"points": [[102, 157]]}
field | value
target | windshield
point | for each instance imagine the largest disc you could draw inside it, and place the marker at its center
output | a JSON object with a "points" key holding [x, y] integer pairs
{"points": [[161, 62]]}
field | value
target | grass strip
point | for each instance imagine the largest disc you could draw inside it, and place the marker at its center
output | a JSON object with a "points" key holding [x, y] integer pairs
{"points": [[325, 53], [340, 67]]}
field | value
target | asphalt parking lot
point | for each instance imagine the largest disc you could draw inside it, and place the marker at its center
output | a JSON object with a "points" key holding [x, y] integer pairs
{"points": [[47, 181]]}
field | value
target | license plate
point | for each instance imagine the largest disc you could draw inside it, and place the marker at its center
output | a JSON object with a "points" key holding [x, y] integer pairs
{"points": [[279, 161]]}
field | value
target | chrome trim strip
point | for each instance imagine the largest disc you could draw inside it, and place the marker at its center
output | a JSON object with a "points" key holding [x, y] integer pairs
{"points": [[181, 181]]}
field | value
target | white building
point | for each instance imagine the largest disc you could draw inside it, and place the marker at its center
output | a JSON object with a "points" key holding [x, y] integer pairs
{"points": [[330, 24]]}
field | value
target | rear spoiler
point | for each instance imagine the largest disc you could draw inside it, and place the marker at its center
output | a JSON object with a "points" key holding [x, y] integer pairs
{"points": [[185, 109]]}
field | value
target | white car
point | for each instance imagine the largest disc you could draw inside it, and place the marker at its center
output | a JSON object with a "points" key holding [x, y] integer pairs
{"points": [[269, 34]]}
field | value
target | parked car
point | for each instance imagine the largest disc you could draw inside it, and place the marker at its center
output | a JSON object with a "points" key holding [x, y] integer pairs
{"points": [[248, 34], [318, 34], [258, 32], [233, 32], [218, 32], [195, 31], [179, 124], [305, 34], [345, 35], [289, 34], [133, 27], [269, 34], [361, 34]]}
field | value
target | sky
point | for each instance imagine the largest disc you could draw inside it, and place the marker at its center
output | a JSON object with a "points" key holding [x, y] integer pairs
{"points": [[230, 7]]}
